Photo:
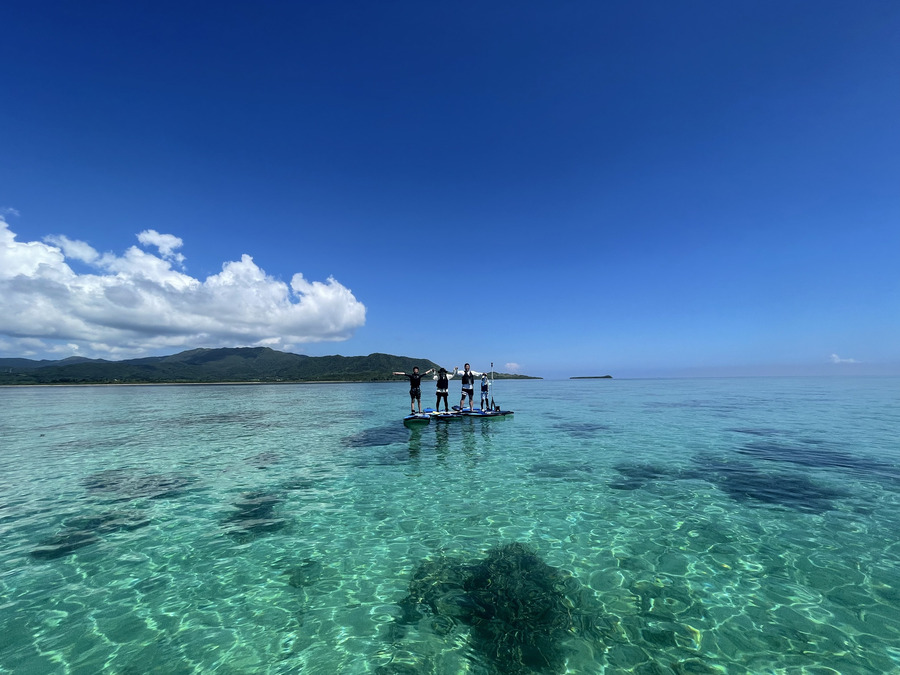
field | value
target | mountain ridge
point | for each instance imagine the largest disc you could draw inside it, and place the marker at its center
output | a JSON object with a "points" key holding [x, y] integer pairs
{"points": [[226, 364]]}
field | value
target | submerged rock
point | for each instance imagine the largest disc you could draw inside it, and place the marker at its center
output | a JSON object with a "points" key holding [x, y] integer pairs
{"points": [[82, 531], [255, 515], [123, 485], [264, 460], [305, 574], [793, 491], [636, 476], [562, 471], [823, 458], [740, 480], [64, 543], [378, 436], [522, 613]]}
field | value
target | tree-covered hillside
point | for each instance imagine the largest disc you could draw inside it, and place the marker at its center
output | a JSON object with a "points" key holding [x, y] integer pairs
{"points": [[246, 364]]}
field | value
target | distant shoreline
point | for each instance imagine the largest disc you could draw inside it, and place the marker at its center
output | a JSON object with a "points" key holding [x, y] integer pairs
{"points": [[231, 365], [212, 384], [592, 377], [191, 384]]}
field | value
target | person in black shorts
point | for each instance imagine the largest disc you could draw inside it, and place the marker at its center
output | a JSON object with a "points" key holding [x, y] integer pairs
{"points": [[468, 386], [485, 392], [443, 388], [415, 384]]}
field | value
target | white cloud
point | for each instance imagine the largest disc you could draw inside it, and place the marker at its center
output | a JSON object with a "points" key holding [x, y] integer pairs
{"points": [[513, 367], [165, 243], [837, 359], [77, 250], [136, 303]]}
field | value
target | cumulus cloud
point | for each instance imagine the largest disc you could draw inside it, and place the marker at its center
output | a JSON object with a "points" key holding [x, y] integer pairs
{"points": [[513, 367], [138, 303], [834, 358], [165, 243], [75, 250]]}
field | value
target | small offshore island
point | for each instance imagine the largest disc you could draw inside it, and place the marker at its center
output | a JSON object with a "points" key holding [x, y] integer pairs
{"points": [[238, 365], [591, 377]]}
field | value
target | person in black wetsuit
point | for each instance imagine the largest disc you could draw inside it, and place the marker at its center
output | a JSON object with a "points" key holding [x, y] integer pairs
{"points": [[443, 388], [468, 386], [415, 384]]}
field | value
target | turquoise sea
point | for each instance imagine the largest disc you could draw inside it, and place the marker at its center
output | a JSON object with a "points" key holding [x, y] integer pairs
{"points": [[609, 526]]}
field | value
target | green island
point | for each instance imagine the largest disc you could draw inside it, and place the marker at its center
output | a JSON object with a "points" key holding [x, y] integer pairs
{"points": [[211, 366], [591, 377]]}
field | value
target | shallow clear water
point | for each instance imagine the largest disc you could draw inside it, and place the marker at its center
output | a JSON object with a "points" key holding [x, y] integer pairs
{"points": [[695, 526]]}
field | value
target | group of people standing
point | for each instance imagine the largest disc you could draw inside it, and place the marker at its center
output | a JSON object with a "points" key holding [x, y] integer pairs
{"points": [[443, 387]]}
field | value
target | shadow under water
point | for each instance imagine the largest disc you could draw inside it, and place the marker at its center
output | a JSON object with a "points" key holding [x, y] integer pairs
{"points": [[264, 460], [637, 475], [255, 515], [123, 485], [377, 436], [82, 531], [745, 483], [820, 458], [522, 614], [581, 429], [741, 481], [562, 471]]}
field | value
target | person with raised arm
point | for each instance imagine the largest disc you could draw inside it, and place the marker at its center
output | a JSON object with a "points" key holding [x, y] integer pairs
{"points": [[468, 386], [415, 384], [443, 388]]}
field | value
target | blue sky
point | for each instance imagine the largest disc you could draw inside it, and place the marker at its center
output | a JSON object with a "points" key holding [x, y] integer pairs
{"points": [[569, 188]]}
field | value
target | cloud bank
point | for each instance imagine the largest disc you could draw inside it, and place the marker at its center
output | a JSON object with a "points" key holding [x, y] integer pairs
{"points": [[142, 302], [837, 359]]}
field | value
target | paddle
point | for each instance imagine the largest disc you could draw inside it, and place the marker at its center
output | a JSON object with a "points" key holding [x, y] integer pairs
{"points": [[492, 386]]}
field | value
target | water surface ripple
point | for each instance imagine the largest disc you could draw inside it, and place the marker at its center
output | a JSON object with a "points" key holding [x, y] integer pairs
{"points": [[646, 526]]}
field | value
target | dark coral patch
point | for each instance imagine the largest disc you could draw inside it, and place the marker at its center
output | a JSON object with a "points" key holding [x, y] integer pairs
{"points": [[818, 457], [741, 481], [794, 491], [521, 612], [83, 531], [582, 429], [636, 476], [378, 436], [264, 460], [123, 485], [255, 515], [562, 471]]}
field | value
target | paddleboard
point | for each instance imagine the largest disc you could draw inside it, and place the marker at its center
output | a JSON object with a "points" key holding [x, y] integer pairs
{"points": [[445, 415], [416, 419], [478, 412]]}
